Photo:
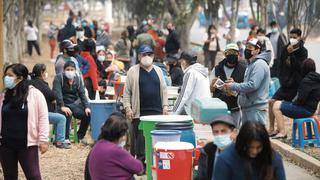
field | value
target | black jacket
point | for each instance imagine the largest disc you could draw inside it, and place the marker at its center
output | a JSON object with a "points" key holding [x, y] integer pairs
{"points": [[172, 43], [67, 32], [237, 75], [290, 67], [67, 94], [176, 75], [206, 160], [309, 92], [46, 91]]}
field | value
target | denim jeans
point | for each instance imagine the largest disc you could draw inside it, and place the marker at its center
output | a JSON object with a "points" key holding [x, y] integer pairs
{"points": [[59, 122], [254, 115]]}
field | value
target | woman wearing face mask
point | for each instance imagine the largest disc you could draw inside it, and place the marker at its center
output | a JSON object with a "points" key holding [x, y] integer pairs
{"points": [[223, 129], [251, 157], [195, 83], [109, 152], [39, 76], [211, 47], [24, 124], [229, 68], [69, 88], [91, 77]]}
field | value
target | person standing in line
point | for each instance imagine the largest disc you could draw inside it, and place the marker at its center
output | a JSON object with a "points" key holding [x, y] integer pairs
{"points": [[24, 124], [52, 36], [211, 47], [144, 82], [32, 38], [172, 42]]}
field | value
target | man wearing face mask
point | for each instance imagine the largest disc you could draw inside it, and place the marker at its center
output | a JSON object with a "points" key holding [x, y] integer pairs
{"points": [[223, 128], [80, 37], [67, 52], [266, 44], [226, 69], [254, 90], [195, 83], [86, 28], [278, 41], [289, 72], [145, 93], [69, 89]]}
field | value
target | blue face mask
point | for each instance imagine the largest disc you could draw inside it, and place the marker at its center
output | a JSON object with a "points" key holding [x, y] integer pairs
{"points": [[9, 82], [222, 141]]}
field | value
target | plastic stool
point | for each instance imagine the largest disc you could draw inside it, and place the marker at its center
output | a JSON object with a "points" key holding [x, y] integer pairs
{"points": [[309, 127], [75, 129], [301, 141]]}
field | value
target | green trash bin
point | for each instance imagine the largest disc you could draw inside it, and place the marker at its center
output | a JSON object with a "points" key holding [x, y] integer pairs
{"points": [[147, 124]]}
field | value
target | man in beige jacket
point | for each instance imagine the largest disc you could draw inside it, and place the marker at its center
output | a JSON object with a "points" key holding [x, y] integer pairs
{"points": [[145, 93]]}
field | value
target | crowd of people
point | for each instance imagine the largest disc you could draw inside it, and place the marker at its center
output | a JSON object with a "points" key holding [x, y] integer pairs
{"points": [[89, 63]]}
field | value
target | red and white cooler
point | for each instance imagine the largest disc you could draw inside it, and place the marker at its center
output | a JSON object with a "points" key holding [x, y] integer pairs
{"points": [[172, 160]]}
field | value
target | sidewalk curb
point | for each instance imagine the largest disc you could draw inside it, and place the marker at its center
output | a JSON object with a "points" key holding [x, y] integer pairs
{"points": [[296, 156]]}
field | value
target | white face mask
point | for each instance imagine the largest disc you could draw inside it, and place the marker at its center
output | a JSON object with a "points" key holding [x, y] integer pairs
{"points": [[222, 141], [146, 61], [122, 144], [101, 58], [80, 35], [70, 74], [293, 41]]}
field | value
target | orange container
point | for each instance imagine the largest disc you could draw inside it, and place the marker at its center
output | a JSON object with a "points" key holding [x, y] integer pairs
{"points": [[172, 160]]}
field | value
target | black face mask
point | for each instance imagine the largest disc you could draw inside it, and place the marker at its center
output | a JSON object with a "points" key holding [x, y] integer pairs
{"points": [[247, 54], [70, 53], [231, 59]]}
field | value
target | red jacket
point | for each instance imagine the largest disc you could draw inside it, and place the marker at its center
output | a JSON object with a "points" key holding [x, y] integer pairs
{"points": [[93, 73]]}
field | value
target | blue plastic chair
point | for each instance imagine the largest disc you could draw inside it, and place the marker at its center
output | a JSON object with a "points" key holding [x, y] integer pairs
{"points": [[311, 138]]}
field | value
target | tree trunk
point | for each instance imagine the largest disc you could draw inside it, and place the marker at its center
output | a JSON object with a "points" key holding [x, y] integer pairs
{"points": [[234, 17]]}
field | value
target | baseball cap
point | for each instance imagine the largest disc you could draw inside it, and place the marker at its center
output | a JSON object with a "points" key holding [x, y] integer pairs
{"points": [[189, 56], [255, 42], [227, 119], [232, 46], [67, 44], [145, 49]]}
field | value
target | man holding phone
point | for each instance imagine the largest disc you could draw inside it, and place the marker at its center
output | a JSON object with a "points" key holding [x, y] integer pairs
{"points": [[289, 73]]}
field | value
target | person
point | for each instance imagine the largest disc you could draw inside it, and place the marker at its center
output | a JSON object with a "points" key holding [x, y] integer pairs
{"points": [[52, 36], [251, 157], [253, 32], [254, 90], [84, 65], [67, 51], [289, 73], [278, 41], [32, 38], [68, 88], [24, 124], [266, 43], [172, 42], [91, 77], [86, 28], [223, 128], [306, 102], [195, 83], [144, 38], [144, 82], [39, 75], [103, 38], [109, 152], [211, 47], [67, 32], [226, 69], [94, 26], [80, 37], [160, 44], [175, 70], [122, 49], [241, 50]]}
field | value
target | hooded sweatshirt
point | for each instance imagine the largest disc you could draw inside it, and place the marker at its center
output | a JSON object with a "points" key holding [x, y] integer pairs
{"points": [[309, 92], [195, 85], [67, 32], [254, 91]]}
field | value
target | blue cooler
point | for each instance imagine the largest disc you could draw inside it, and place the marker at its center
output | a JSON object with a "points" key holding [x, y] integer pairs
{"points": [[206, 109], [100, 111], [186, 128]]}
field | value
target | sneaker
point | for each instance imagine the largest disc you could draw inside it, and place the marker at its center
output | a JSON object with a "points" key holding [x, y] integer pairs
{"points": [[62, 145], [84, 142], [67, 141]]}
